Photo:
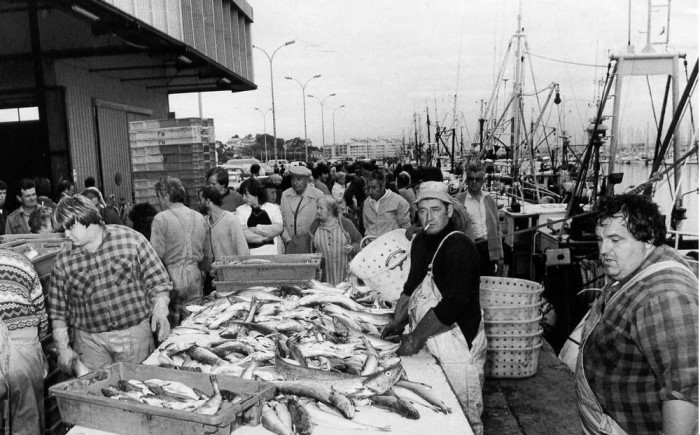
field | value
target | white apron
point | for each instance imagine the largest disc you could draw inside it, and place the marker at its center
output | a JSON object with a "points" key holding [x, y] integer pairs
{"points": [[594, 420], [463, 368]]}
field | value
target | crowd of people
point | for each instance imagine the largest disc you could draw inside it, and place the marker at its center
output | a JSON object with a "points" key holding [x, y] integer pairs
{"points": [[124, 283]]}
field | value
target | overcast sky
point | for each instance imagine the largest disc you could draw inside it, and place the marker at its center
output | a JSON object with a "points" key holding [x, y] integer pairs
{"points": [[388, 59]]}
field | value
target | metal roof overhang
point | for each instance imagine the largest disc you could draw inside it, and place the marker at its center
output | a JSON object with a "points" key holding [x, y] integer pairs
{"points": [[151, 58]]}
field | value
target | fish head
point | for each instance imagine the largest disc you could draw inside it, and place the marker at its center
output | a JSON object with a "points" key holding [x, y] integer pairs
{"points": [[382, 380]]}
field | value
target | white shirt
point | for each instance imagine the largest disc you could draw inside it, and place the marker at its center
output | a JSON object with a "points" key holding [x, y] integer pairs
{"points": [[375, 204], [477, 212]]}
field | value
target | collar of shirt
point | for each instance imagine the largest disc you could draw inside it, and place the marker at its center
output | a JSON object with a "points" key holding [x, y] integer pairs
{"points": [[374, 203]]}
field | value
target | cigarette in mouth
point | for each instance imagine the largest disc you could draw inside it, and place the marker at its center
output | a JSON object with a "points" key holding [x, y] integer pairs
{"points": [[426, 227]]}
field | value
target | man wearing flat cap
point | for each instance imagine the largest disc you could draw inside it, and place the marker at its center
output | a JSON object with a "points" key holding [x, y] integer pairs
{"points": [[440, 301], [298, 207]]}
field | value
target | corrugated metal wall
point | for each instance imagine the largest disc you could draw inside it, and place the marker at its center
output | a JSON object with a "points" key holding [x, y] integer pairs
{"points": [[82, 88], [219, 29]]}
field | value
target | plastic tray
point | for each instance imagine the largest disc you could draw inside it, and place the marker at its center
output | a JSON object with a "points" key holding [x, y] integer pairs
{"points": [[81, 402], [512, 363], [499, 291], [292, 268], [512, 327], [512, 312], [511, 341]]}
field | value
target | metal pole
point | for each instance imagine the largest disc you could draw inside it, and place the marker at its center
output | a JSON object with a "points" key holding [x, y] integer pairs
{"points": [[272, 91], [303, 99], [333, 154], [323, 128]]}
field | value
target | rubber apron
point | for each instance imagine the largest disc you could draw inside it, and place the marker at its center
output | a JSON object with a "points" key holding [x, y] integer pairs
{"points": [[594, 420], [186, 277], [463, 368]]}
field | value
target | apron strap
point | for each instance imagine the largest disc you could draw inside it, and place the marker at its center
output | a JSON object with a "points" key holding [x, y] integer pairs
{"points": [[430, 266]]}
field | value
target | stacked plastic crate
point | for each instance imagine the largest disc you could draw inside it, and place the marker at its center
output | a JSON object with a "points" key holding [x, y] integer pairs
{"points": [[181, 148], [512, 318]]}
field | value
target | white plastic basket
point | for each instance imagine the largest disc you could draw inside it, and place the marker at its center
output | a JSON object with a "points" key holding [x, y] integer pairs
{"points": [[512, 363], [510, 312], [500, 291], [511, 341], [384, 264], [512, 327]]}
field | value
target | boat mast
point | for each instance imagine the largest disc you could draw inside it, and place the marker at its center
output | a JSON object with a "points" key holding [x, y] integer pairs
{"points": [[517, 95]]}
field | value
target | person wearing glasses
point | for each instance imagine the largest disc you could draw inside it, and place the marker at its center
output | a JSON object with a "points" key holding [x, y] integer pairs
{"points": [[483, 214]]}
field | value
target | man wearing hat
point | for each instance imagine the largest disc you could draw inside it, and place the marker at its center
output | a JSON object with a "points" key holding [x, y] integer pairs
{"points": [[298, 207], [440, 301]]}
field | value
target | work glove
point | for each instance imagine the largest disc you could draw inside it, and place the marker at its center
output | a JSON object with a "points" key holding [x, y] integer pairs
{"points": [[66, 354], [411, 344], [159, 316], [392, 328]]}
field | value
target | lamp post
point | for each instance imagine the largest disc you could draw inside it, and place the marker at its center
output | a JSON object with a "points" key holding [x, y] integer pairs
{"points": [[334, 142], [303, 100], [272, 91], [264, 115], [323, 127]]}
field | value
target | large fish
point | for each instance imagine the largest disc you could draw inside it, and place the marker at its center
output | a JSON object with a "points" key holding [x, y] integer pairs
{"points": [[397, 405], [271, 421], [174, 389], [333, 421], [211, 406], [425, 393], [360, 316], [317, 391], [351, 386], [205, 356], [300, 418], [342, 324]]}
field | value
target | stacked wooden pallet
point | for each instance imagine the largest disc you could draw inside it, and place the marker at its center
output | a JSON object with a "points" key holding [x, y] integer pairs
{"points": [[182, 148]]}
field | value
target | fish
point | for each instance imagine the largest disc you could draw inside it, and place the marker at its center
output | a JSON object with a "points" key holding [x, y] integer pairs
{"points": [[300, 417], [397, 405], [211, 406], [205, 356], [231, 331], [351, 386], [227, 314], [232, 346], [284, 415], [271, 421], [330, 420], [230, 396], [371, 365], [295, 352], [254, 305], [114, 393], [317, 391], [413, 398], [426, 393], [261, 295], [248, 372], [376, 319], [318, 285], [173, 389]]}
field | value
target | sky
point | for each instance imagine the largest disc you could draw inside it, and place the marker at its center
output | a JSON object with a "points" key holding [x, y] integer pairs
{"points": [[390, 60]]}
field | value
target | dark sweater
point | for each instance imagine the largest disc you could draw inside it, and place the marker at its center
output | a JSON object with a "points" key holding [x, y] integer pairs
{"points": [[456, 275]]}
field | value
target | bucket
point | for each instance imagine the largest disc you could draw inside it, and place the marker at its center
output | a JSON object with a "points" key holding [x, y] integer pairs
{"points": [[499, 291], [384, 264]]}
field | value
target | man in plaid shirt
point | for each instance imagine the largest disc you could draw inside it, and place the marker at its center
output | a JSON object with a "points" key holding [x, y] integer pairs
{"points": [[637, 370], [107, 287]]}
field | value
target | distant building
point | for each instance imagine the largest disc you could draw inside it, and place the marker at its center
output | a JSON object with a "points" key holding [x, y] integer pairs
{"points": [[370, 148]]}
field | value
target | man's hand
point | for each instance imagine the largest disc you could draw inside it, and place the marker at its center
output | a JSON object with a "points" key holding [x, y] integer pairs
{"points": [[159, 316], [392, 329], [499, 267], [410, 345], [66, 355]]}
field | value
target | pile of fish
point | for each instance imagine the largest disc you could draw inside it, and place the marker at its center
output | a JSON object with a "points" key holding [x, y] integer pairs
{"points": [[171, 395], [319, 345]]}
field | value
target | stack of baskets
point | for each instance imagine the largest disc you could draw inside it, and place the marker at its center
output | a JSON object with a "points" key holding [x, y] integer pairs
{"points": [[512, 321]]}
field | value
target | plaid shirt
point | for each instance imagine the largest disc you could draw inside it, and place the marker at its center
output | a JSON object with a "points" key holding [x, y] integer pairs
{"points": [[644, 351], [110, 289]]}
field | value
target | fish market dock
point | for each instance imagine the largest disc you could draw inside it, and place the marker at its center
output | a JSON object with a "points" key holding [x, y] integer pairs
{"points": [[544, 404]]}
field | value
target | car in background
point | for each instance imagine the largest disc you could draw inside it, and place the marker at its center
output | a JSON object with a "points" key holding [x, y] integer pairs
{"points": [[239, 170], [280, 162], [297, 163]]}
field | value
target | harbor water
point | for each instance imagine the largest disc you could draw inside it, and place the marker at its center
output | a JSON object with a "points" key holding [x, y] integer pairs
{"points": [[636, 173]]}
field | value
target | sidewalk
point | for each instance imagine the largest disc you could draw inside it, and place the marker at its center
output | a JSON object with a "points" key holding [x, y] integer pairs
{"points": [[544, 404]]}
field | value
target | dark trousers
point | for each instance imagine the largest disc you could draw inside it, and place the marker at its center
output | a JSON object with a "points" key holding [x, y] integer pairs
{"points": [[487, 268]]}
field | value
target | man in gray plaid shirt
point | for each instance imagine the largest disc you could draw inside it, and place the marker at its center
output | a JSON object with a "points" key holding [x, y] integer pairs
{"points": [[637, 370], [110, 287]]}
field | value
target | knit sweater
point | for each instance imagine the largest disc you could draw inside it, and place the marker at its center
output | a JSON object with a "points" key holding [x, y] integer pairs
{"points": [[21, 297]]}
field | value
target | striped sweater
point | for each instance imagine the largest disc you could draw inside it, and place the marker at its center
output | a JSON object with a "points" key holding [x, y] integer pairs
{"points": [[21, 297]]}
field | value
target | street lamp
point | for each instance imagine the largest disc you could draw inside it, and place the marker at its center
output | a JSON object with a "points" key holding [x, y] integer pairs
{"points": [[272, 91], [303, 99], [334, 143], [323, 127], [264, 115]]}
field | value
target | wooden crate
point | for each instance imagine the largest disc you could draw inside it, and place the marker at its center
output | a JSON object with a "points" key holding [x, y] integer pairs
{"points": [[282, 268]]}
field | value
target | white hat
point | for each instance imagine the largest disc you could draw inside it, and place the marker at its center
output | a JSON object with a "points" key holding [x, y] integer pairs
{"points": [[433, 190], [301, 171]]}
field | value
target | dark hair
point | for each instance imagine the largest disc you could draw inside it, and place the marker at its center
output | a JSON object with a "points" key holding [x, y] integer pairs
{"points": [[43, 186], [427, 173], [377, 176], [403, 180], [212, 194], [321, 169], [172, 187], [64, 184], [255, 188], [476, 166], [37, 217], [640, 214], [255, 169], [3, 185], [76, 208], [221, 175], [26, 184], [142, 216], [90, 182]]}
